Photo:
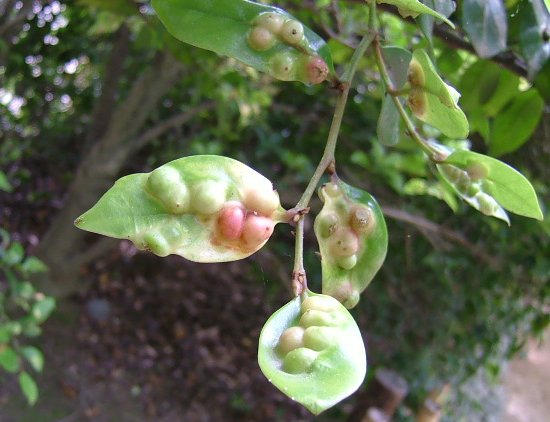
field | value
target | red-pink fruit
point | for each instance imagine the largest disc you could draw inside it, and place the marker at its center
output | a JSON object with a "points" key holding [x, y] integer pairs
{"points": [[316, 70], [231, 220], [256, 230]]}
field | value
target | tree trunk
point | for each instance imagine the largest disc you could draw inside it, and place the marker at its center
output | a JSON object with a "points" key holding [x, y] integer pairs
{"points": [[62, 246]]}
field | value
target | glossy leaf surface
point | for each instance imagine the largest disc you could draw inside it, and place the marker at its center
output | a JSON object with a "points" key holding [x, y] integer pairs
{"points": [[397, 61], [353, 240], [205, 208], [509, 188], [414, 8], [486, 23], [227, 28], [432, 100], [312, 350], [514, 125]]}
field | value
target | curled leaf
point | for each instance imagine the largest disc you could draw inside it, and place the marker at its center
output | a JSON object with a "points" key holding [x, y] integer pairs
{"points": [[432, 100], [414, 8], [353, 240], [205, 208], [312, 350]]}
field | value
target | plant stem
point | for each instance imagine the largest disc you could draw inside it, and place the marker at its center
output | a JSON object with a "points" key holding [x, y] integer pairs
{"points": [[299, 282]]}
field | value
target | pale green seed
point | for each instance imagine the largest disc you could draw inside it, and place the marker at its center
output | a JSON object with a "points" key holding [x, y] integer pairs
{"points": [[299, 360]]}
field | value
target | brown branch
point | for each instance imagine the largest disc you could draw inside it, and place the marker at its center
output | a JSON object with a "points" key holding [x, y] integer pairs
{"points": [[171, 122], [423, 224], [114, 69], [456, 39]]}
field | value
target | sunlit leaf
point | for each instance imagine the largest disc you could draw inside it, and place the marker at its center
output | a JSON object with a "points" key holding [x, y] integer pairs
{"points": [[414, 8], [28, 387], [205, 208]]}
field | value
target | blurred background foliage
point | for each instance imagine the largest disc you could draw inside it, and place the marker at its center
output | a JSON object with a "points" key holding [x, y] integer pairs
{"points": [[94, 89]]}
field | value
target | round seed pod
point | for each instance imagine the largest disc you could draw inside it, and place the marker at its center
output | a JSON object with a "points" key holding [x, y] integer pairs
{"points": [[319, 338], [315, 70], [208, 196], [292, 32], [273, 22], [263, 202], [327, 223], [283, 66], [292, 338], [452, 172], [166, 185], [343, 242], [332, 190], [417, 101], [415, 74], [347, 262], [487, 205], [256, 230], [463, 183], [156, 243], [362, 219], [318, 318], [474, 189], [299, 360], [319, 303], [231, 220], [261, 39], [477, 171]]}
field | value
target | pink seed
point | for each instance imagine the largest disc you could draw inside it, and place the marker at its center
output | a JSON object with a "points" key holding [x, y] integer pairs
{"points": [[231, 221], [317, 70], [256, 230]]}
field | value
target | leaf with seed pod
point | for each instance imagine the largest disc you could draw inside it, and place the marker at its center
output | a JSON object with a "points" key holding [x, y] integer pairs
{"points": [[312, 350], [489, 185], [205, 208], [264, 37], [353, 240], [432, 100]]}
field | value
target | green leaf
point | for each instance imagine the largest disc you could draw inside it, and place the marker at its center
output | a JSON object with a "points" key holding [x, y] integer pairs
{"points": [[387, 128], [4, 183], [34, 356], [205, 208], [444, 7], [414, 8], [13, 255], [33, 265], [397, 61], [417, 186], [120, 7], [9, 359], [509, 187], [255, 34], [42, 309], [516, 123], [486, 24], [28, 387], [353, 240], [432, 100], [313, 352], [534, 21]]}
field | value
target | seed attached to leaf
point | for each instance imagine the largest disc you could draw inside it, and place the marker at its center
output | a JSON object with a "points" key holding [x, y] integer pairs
{"points": [[317, 318], [283, 66], [231, 220], [487, 205], [347, 262], [316, 70], [263, 202], [417, 101], [319, 338], [332, 190], [273, 22], [477, 171], [166, 185], [343, 243], [256, 230], [327, 224], [416, 75], [156, 243], [319, 303], [208, 196], [261, 39], [292, 32], [362, 219], [299, 360], [292, 338]]}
